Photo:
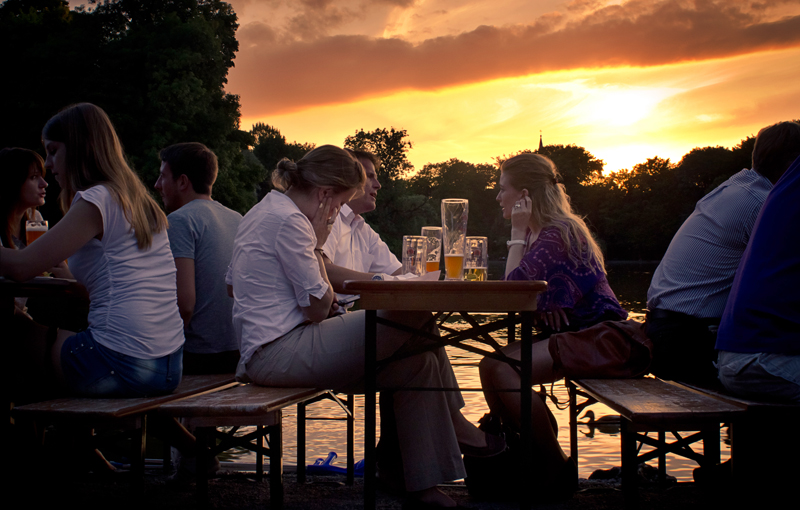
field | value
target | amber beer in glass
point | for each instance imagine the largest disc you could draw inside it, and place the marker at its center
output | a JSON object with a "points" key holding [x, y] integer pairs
{"points": [[433, 253], [454, 235], [454, 266], [34, 230]]}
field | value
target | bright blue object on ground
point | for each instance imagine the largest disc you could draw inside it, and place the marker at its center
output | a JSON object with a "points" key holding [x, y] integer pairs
{"points": [[325, 466]]}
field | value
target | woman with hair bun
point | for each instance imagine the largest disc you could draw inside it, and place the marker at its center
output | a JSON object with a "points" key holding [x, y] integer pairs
{"points": [[114, 235], [548, 242], [288, 337]]}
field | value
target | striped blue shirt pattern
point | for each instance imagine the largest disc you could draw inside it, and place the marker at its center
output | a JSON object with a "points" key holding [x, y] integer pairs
{"points": [[697, 271]]}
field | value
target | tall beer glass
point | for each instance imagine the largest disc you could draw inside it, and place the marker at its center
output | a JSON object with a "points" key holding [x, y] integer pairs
{"points": [[433, 238], [414, 254], [454, 235], [476, 264]]}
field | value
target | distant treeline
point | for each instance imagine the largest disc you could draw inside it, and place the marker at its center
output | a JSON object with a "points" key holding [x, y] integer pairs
{"points": [[633, 213], [159, 67]]}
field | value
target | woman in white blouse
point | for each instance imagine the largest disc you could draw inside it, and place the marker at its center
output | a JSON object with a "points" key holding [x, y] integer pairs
{"points": [[282, 314]]}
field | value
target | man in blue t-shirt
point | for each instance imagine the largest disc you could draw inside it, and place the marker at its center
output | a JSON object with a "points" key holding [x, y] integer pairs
{"points": [[201, 233], [759, 335], [691, 284]]}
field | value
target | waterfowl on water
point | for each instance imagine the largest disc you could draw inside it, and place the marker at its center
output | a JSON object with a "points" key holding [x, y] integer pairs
{"points": [[608, 424]]}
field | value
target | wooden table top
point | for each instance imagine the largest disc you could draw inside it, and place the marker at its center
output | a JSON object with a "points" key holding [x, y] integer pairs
{"points": [[41, 285], [447, 296]]}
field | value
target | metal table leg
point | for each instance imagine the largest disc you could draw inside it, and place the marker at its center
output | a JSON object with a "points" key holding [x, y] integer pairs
{"points": [[525, 404], [370, 386]]}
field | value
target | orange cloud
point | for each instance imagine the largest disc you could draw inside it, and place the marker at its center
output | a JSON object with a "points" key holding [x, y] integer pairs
{"points": [[276, 75]]}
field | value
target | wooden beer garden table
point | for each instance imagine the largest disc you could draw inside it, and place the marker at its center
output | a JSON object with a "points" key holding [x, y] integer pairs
{"points": [[517, 300], [39, 286]]}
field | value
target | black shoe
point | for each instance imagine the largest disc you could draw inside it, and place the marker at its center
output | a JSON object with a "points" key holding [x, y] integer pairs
{"points": [[563, 485], [495, 445]]}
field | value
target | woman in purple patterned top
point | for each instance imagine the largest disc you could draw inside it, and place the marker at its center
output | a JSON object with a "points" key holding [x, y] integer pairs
{"points": [[548, 242], [578, 294]]}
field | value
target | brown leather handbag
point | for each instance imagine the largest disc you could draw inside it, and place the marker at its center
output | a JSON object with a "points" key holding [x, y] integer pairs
{"points": [[608, 350]]}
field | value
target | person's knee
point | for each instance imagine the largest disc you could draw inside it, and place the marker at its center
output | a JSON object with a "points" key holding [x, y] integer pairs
{"points": [[489, 369]]}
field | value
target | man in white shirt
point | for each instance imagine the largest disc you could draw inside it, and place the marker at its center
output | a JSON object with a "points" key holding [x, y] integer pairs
{"points": [[354, 251]]}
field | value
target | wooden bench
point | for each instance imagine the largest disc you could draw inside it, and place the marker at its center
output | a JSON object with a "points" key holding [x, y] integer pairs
{"points": [[125, 413], [246, 405], [753, 459], [652, 405]]}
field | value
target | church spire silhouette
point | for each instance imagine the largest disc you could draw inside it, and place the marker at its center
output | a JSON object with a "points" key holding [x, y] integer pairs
{"points": [[540, 140]]}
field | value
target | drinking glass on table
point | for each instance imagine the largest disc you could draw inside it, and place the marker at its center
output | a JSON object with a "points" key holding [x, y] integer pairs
{"points": [[433, 239], [34, 229], [454, 234], [414, 254], [476, 264]]}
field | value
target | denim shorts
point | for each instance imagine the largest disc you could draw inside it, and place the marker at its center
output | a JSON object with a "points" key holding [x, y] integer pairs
{"points": [[92, 370]]}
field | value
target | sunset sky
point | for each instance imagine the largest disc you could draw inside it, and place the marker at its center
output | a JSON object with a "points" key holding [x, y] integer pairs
{"points": [[475, 79]]}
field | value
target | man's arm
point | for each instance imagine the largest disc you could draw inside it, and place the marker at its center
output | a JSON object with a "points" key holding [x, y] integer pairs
{"points": [[338, 274], [186, 294]]}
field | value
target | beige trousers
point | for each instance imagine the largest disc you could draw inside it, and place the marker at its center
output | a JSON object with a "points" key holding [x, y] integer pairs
{"points": [[330, 354]]}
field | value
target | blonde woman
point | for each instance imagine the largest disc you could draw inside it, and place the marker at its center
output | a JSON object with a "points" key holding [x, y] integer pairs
{"points": [[114, 236], [283, 302], [548, 242]]}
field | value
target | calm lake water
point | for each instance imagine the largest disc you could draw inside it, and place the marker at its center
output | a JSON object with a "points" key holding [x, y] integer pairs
{"points": [[598, 448]]}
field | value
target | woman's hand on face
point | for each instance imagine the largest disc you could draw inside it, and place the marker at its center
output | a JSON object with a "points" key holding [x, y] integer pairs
{"points": [[322, 221], [521, 213]]}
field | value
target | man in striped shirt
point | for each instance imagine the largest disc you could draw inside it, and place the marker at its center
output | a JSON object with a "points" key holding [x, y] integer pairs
{"points": [[691, 284]]}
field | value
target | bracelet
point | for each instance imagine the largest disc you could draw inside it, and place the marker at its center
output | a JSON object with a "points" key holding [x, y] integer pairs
{"points": [[519, 242]]}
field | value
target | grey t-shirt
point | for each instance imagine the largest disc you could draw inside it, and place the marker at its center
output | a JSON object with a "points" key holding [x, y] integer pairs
{"points": [[203, 230]]}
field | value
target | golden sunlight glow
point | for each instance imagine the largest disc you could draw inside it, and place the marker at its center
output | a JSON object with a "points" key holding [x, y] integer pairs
{"points": [[621, 115], [617, 105]]}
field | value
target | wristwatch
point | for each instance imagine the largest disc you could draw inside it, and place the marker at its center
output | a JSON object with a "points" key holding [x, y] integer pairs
{"points": [[509, 244], [377, 277]]}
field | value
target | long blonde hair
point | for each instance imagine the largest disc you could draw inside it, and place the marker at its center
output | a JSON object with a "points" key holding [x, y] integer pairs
{"points": [[550, 206], [94, 156]]}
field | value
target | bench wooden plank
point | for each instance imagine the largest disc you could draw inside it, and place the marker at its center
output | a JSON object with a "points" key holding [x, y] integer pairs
{"points": [[758, 407], [240, 401], [653, 402], [243, 405], [114, 408]]}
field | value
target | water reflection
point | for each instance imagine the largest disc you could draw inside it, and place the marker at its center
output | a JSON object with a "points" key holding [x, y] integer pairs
{"points": [[598, 434]]}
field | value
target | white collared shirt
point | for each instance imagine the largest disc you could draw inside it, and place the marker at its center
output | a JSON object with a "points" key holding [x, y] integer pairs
{"points": [[273, 271], [354, 245]]}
